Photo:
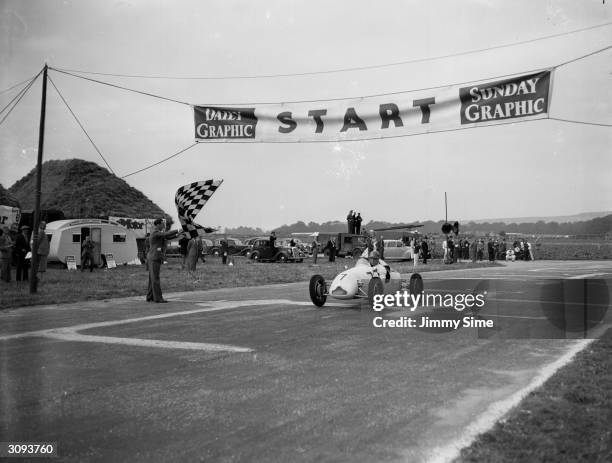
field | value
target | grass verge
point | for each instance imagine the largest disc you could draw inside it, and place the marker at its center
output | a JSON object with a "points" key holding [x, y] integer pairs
{"points": [[567, 420], [60, 285]]}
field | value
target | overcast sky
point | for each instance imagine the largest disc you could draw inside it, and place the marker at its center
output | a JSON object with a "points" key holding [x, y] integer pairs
{"points": [[537, 168]]}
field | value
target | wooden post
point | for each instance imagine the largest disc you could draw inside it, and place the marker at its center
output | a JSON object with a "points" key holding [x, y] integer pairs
{"points": [[36, 224]]}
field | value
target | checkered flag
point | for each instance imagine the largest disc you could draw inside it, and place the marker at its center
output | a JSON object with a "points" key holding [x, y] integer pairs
{"points": [[189, 200]]}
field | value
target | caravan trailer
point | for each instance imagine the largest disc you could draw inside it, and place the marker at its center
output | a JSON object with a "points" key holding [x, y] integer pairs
{"points": [[66, 237]]}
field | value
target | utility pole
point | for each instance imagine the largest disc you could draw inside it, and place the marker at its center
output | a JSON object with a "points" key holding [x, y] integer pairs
{"points": [[36, 224], [445, 209]]}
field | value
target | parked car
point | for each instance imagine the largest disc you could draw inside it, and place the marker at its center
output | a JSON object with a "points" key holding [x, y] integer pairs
{"points": [[262, 251], [397, 250], [234, 247]]}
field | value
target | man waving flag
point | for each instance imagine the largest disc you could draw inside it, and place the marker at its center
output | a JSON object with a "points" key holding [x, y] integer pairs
{"points": [[189, 200]]}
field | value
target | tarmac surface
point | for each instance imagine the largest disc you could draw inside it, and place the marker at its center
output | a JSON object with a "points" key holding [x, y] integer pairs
{"points": [[261, 375]]}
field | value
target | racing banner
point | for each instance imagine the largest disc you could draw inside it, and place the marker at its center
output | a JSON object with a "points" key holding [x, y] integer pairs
{"points": [[523, 97]]}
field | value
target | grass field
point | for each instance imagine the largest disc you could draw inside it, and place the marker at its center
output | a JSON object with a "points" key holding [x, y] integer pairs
{"points": [[573, 250], [565, 421], [60, 285]]}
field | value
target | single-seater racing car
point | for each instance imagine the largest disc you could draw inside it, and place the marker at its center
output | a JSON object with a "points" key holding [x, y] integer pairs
{"points": [[369, 277]]}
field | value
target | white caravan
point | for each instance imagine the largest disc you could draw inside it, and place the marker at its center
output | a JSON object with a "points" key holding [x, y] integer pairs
{"points": [[66, 237]]}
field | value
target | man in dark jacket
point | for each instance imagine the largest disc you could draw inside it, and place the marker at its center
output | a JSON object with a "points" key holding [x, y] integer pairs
{"points": [[87, 255], [22, 247], [155, 258], [424, 249]]}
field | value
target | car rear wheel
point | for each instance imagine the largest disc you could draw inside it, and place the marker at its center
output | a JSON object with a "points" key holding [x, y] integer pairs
{"points": [[375, 287], [318, 290], [255, 256], [357, 252], [282, 258], [416, 283]]}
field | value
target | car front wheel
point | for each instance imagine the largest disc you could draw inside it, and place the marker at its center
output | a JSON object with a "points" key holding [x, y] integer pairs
{"points": [[318, 290]]}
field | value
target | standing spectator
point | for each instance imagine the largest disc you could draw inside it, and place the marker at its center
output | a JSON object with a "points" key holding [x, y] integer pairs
{"points": [[6, 245], [380, 247], [225, 249], [491, 250], [331, 245], [445, 250], [358, 221], [155, 258], [315, 250], [350, 220], [530, 251], [22, 247], [424, 250], [272, 240], [480, 250], [87, 254], [191, 258], [502, 250], [414, 251], [183, 243], [43, 250], [473, 250]]}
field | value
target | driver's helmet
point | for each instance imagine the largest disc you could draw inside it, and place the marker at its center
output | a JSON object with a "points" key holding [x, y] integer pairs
{"points": [[374, 257]]}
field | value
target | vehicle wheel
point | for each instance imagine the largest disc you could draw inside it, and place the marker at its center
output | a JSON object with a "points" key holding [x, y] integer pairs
{"points": [[318, 288], [255, 256], [282, 258], [375, 287], [416, 283], [216, 253], [357, 253]]}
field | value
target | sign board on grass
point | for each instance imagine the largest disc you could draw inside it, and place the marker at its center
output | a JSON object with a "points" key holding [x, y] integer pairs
{"points": [[110, 261], [71, 263]]}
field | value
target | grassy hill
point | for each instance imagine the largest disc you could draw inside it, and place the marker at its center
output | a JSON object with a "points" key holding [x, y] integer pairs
{"points": [[7, 199], [83, 189]]}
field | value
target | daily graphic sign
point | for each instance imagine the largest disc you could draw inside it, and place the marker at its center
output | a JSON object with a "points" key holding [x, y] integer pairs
{"points": [[524, 97]]}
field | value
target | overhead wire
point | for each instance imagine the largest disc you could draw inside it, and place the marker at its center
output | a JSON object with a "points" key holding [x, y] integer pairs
{"points": [[338, 98], [163, 160], [599, 124], [120, 87], [80, 125], [351, 69], [18, 98], [18, 84]]}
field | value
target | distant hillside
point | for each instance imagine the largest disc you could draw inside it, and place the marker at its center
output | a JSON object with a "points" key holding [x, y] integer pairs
{"points": [[7, 199], [560, 219], [83, 189]]}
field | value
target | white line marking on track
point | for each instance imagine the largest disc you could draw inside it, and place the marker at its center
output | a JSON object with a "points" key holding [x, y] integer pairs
{"points": [[588, 275], [498, 409], [71, 333]]}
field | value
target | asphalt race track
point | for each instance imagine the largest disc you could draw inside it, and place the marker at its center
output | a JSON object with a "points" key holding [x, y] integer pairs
{"points": [[260, 374]]}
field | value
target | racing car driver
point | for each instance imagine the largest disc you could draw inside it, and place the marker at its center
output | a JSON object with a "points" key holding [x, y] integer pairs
{"points": [[379, 264]]}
